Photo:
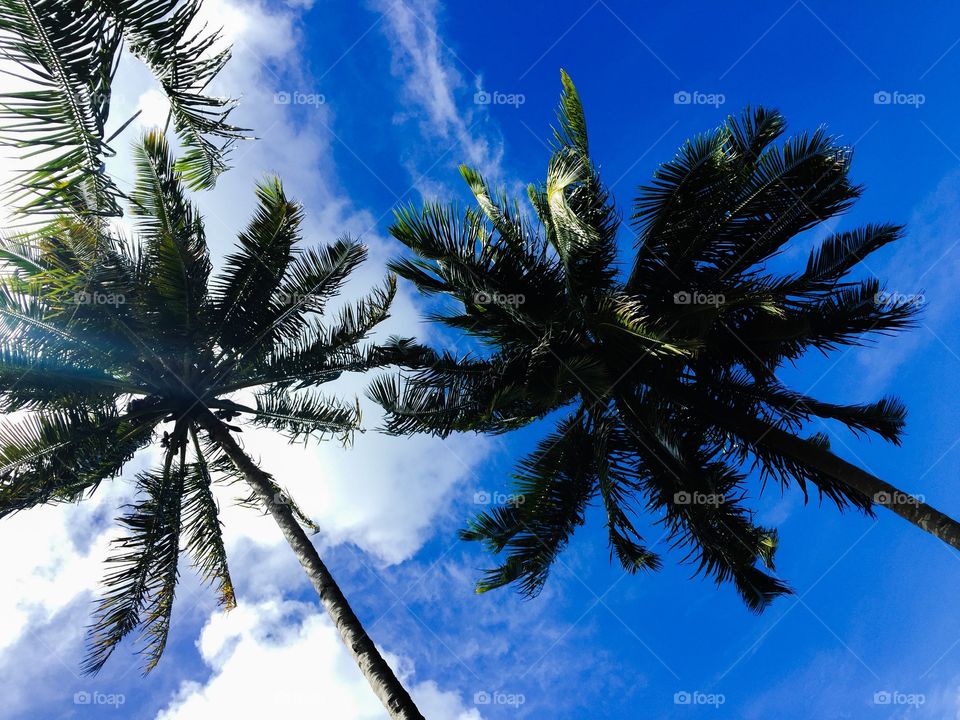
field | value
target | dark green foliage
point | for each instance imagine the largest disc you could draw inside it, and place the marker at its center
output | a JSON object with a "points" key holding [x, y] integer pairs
{"points": [[657, 367]]}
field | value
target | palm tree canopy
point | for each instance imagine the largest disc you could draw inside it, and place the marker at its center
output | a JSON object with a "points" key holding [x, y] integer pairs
{"points": [[104, 339], [68, 51], [657, 366]]}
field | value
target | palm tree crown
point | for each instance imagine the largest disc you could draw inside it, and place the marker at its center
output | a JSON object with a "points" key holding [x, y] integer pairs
{"points": [[664, 374], [105, 340]]}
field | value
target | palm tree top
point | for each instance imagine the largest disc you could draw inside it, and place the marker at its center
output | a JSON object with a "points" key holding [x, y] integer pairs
{"points": [[661, 373], [105, 341]]}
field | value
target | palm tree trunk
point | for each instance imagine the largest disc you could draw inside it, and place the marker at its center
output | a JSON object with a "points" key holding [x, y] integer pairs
{"points": [[382, 679], [878, 491]]}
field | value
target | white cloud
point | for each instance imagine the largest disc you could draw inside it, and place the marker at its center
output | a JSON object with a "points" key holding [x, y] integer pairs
{"points": [[308, 668]]}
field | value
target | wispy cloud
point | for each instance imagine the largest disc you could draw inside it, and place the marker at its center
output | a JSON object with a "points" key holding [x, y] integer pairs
{"points": [[433, 84]]}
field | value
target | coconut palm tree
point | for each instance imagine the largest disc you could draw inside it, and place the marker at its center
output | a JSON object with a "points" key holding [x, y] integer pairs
{"points": [[662, 379], [67, 52], [107, 341]]}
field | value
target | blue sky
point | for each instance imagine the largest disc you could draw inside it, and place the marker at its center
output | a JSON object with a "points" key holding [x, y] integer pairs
{"points": [[383, 106]]}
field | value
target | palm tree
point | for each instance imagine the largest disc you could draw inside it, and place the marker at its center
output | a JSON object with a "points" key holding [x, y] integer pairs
{"points": [[105, 340], [68, 51], [663, 379]]}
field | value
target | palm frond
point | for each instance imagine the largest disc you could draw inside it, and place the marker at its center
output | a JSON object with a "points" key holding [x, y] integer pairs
{"points": [[65, 50], [140, 585], [203, 529], [185, 58]]}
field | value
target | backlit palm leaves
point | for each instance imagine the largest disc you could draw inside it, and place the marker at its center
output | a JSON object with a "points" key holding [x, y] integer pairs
{"points": [[67, 51], [662, 373], [107, 346]]}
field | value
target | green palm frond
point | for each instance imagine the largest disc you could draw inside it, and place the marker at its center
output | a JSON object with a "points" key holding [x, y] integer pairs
{"points": [[140, 584], [304, 414], [552, 489], [64, 50], [246, 302], [185, 58], [65, 53], [178, 263], [63, 455], [203, 529]]}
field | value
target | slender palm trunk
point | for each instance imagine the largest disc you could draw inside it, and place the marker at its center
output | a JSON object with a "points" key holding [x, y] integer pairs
{"points": [[382, 679], [880, 492]]}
